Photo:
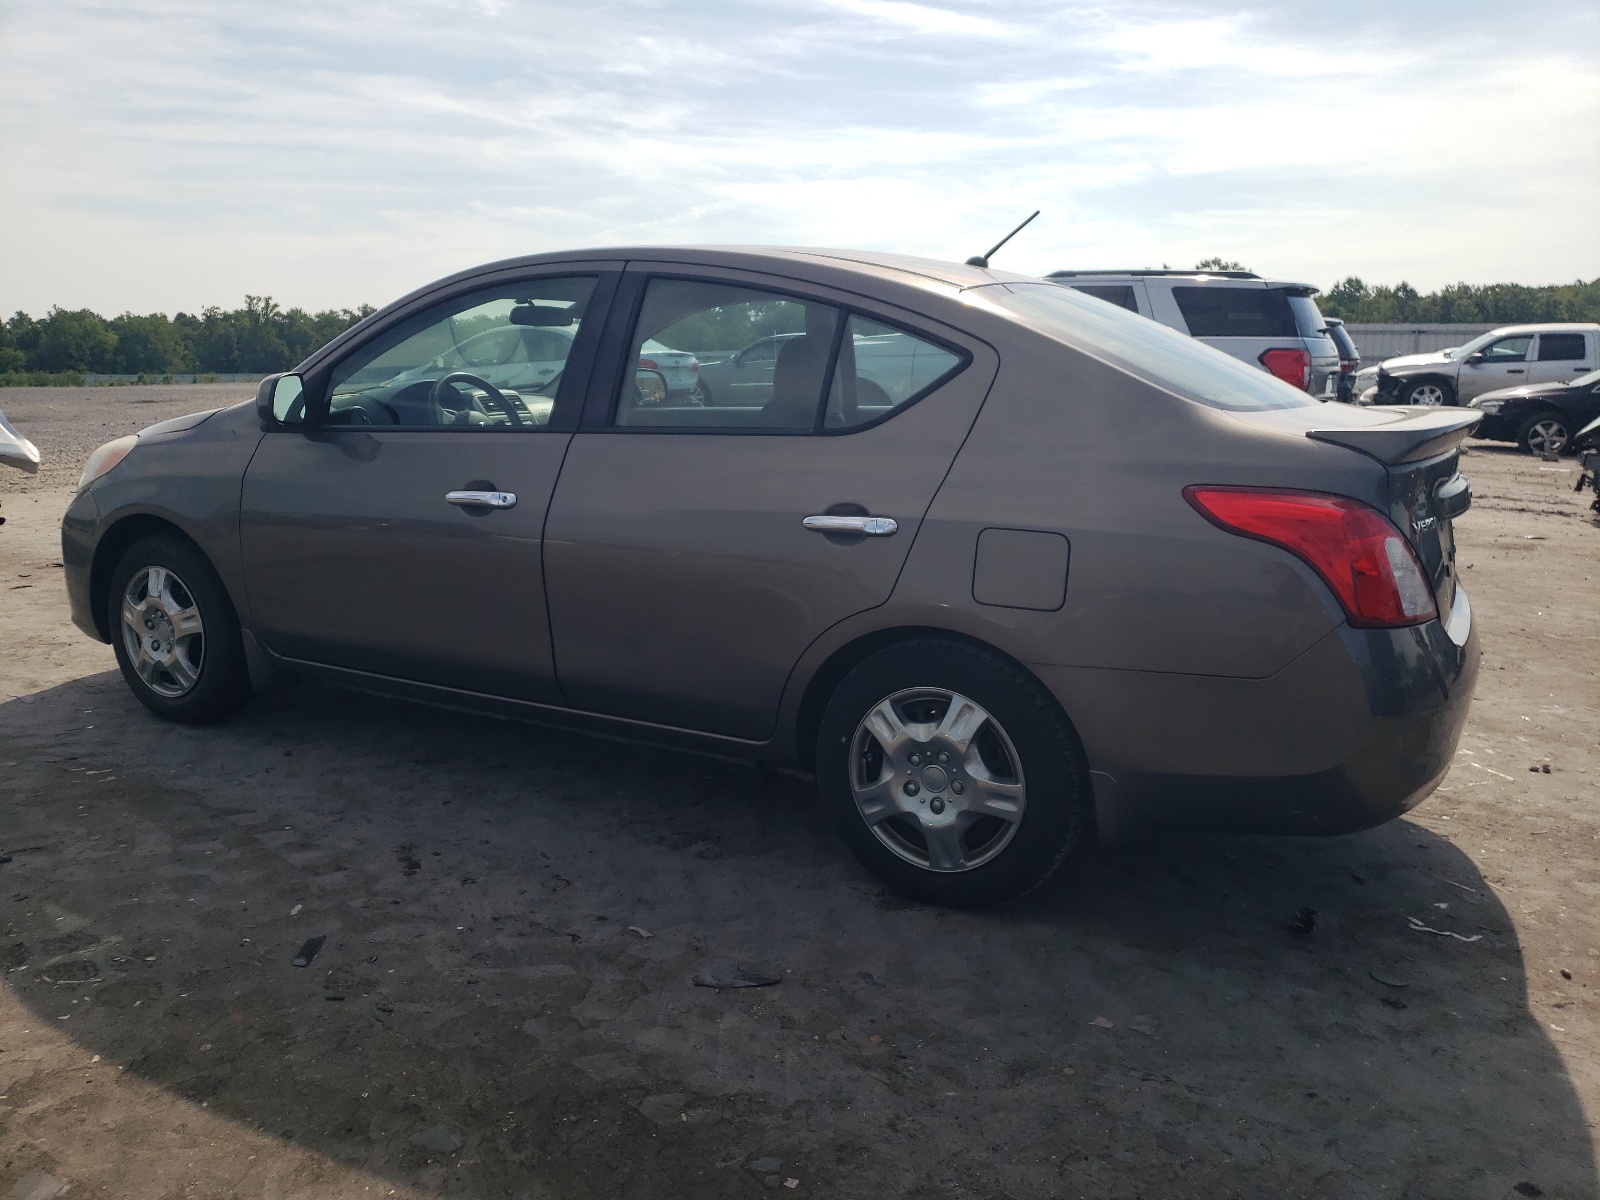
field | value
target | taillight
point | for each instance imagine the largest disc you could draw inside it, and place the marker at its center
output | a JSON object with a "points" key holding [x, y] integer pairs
{"points": [[1356, 549], [648, 364], [1291, 366]]}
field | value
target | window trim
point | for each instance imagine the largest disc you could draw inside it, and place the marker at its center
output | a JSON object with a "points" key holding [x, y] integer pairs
{"points": [[600, 410], [575, 375]]}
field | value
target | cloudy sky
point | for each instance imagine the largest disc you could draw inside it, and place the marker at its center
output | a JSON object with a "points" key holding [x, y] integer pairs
{"points": [[158, 155]]}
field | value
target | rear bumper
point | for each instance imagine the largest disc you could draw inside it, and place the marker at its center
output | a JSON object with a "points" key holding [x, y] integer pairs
{"points": [[1358, 730]]}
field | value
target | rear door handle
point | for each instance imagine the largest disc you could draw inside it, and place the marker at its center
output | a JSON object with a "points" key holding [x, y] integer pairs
{"points": [[482, 499], [870, 526]]}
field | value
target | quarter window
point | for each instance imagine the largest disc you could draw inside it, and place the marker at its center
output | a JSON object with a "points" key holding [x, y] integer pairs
{"points": [[490, 359], [1561, 347], [880, 369], [1119, 294]]}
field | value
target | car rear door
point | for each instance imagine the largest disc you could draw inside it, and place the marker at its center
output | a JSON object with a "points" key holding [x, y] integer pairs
{"points": [[683, 579], [400, 537], [1558, 357]]}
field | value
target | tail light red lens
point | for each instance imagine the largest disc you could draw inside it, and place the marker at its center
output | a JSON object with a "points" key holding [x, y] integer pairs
{"points": [[1291, 366], [1359, 553], [648, 364]]}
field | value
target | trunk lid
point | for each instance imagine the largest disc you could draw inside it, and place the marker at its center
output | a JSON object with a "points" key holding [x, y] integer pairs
{"points": [[1420, 449]]}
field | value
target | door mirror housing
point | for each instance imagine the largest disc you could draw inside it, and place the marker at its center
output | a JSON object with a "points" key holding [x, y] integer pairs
{"points": [[1474, 360], [651, 385], [281, 400]]}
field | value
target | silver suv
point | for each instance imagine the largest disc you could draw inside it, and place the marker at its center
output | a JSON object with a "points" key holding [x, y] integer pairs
{"points": [[1267, 323]]}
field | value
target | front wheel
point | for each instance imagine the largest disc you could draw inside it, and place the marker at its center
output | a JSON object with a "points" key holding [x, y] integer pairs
{"points": [[952, 774], [175, 633], [1431, 393], [1544, 434]]}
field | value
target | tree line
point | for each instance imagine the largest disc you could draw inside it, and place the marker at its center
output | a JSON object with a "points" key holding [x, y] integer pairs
{"points": [[1461, 303], [259, 338], [262, 337], [1351, 299]]}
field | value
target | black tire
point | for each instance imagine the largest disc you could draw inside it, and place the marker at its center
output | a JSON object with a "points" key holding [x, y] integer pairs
{"points": [[702, 390], [1546, 432], [1409, 391], [1055, 818], [221, 680]]}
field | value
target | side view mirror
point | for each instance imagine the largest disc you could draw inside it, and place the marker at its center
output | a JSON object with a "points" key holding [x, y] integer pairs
{"points": [[651, 385], [1474, 360], [281, 399]]}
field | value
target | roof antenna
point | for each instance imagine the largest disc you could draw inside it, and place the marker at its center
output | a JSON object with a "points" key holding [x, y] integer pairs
{"points": [[982, 260]]}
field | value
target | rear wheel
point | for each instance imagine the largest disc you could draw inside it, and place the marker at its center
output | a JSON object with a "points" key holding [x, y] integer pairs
{"points": [[951, 774], [175, 633], [1543, 434], [1428, 392]]}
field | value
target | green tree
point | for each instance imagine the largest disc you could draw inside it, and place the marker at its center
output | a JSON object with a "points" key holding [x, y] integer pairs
{"points": [[1219, 264], [150, 344], [76, 340]]}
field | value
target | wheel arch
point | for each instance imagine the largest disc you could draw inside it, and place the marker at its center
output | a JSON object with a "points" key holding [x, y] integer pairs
{"points": [[111, 547], [827, 677], [1444, 381]]}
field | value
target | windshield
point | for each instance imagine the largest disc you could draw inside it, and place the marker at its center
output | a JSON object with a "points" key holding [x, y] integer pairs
{"points": [[1152, 351], [1477, 343]]}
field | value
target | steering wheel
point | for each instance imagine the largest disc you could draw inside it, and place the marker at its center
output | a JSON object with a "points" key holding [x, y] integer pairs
{"points": [[436, 395]]}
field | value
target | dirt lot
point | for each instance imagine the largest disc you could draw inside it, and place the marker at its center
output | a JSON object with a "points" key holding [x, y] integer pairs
{"points": [[504, 1007]]}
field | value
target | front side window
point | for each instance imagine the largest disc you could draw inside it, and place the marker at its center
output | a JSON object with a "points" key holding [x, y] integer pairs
{"points": [[723, 356], [1561, 347], [1507, 350], [490, 359], [1228, 311]]}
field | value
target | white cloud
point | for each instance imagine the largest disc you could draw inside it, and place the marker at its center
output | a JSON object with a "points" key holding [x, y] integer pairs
{"points": [[175, 153]]}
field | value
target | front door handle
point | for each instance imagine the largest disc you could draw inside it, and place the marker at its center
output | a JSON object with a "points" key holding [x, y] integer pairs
{"points": [[1514, 371], [870, 526], [482, 499]]}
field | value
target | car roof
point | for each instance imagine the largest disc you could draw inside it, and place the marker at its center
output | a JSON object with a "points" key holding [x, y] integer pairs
{"points": [[1203, 278], [1548, 327]]}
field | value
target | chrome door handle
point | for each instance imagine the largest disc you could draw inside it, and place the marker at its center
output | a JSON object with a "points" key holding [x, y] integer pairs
{"points": [[870, 526], [482, 499]]}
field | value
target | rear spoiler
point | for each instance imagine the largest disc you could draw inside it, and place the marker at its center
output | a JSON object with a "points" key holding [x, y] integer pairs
{"points": [[1415, 433]]}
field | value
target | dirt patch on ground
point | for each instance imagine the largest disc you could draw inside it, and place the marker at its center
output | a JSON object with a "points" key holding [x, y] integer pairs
{"points": [[504, 1005]]}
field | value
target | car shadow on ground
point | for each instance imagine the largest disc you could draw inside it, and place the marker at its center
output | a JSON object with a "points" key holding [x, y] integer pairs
{"points": [[504, 1004]]}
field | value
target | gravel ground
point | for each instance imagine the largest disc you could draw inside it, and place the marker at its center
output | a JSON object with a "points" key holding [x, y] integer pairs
{"points": [[504, 1005]]}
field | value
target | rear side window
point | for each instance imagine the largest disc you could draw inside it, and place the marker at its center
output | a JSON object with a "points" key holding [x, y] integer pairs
{"points": [[1561, 347], [1144, 348], [1237, 312], [1120, 294]]}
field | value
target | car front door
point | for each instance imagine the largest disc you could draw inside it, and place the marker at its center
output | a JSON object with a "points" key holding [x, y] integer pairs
{"points": [[1558, 357], [1502, 363], [397, 532], [693, 553]]}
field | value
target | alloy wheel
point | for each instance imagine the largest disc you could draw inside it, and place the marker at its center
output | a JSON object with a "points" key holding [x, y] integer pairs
{"points": [[937, 780], [162, 632], [1429, 394], [1547, 436]]}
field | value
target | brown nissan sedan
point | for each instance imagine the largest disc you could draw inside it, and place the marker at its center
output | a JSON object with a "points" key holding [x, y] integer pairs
{"points": [[1002, 565]]}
